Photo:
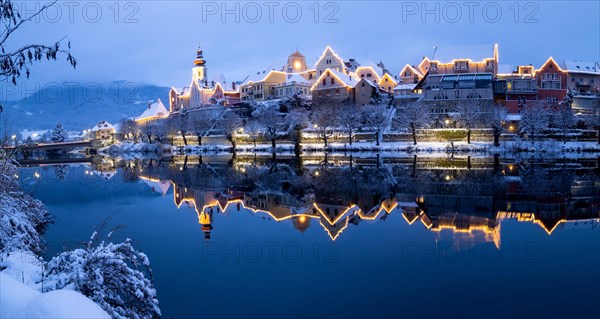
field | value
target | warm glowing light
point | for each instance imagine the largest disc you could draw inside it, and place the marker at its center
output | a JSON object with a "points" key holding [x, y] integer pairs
{"points": [[317, 173], [448, 177], [511, 128], [315, 126], [14, 137], [297, 65], [302, 219], [36, 174], [447, 121]]}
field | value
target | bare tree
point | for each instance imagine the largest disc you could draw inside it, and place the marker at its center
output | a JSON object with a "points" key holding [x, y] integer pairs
{"points": [[469, 115], [494, 117], [199, 125], [271, 121], [534, 119], [15, 61], [324, 117], [230, 123], [348, 117], [413, 116], [253, 129], [129, 129], [564, 120], [593, 120], [375, 118]]}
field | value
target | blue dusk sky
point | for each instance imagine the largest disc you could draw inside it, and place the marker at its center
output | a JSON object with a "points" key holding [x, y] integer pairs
{"points": [[154, 42]]}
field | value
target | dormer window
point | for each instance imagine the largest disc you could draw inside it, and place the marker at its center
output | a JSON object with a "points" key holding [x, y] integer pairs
{"points": [[461, 65], [433, 66], [368, 75]]}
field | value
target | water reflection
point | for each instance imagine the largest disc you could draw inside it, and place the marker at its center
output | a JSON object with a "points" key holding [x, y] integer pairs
{"points": [[464, 199]]}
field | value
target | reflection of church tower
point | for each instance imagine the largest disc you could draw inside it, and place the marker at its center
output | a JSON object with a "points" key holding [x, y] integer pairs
{"points": [[199, 71], [301, 223], [296, 63], [205, 219]]}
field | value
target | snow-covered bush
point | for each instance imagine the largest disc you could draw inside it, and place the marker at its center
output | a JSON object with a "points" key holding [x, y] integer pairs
{"points": [[22, 218], [115, 276]]}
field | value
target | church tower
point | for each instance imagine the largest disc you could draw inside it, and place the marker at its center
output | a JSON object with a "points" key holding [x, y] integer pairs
{"points": [[296, 63], [199, 71]]}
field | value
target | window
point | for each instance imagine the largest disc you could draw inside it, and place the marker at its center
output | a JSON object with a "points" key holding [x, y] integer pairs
{"points": [[324, 81], [332, 80], [362, 84], [433, 66], [368, 75]]}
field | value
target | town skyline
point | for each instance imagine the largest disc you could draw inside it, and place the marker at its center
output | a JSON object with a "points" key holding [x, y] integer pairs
{"points": [[169, 49]]}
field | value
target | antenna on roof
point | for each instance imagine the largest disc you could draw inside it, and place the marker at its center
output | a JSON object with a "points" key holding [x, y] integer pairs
{"points": [[434, 51]]}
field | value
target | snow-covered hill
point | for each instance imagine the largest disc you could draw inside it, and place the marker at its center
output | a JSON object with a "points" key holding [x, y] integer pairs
{"points": [[81, 106]]}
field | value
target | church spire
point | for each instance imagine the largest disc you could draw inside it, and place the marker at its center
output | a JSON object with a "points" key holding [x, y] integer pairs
{"points": [[199, 61]]}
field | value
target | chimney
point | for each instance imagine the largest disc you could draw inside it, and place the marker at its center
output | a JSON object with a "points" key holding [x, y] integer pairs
{"points": [[149, 105], [212, 83], [233, 86]]}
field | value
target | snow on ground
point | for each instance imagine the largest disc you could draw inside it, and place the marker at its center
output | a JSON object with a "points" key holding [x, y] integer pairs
{"points": [[18, 300], [20, 283]]}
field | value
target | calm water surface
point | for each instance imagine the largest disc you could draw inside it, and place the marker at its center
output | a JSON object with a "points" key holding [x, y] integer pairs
{"points": [[344, 237]]}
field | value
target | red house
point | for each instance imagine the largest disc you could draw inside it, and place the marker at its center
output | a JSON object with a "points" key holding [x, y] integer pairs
{"points": [[552, 83]]}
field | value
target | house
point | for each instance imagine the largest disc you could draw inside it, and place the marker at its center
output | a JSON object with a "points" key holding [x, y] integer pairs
{"points": [[583, 84], [387, 83], [103, 131], [335, 85], [520, 88], [462, 59], [440, 87], [406, 93], [552, 83], [459, 73], [201, 92], [295, 84], [582, 77], [296, 63], [260, 86], [154, 112], [410, 74]]}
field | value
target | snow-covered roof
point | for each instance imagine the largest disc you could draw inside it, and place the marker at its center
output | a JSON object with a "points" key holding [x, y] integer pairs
{"points": [[372, 65], [513, 117], [295, 77], [409, 86], [102, 125], [575, 66], [156, 109], [158, 186], [348, 80], [446, 54], [258, 76]]}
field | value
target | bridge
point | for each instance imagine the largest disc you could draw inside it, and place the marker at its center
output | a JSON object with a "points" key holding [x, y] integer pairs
{"points": [[50, 146]]}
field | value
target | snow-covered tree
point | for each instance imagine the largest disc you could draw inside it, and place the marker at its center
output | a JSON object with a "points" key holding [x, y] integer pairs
{"points": [[375, 118], [534, 119], [59, 134], [254, 129], [413, 116], [470, 115], [22, 218], [199, 125], [324, 117], [230, 123], [348, 118], [494, 117], [271, 121], [115, 276], [129, 129], [593, 120], [564, 120]]}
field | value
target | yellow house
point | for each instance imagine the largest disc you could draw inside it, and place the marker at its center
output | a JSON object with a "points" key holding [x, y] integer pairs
{"points": [[387, 83], [260, 86]]}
